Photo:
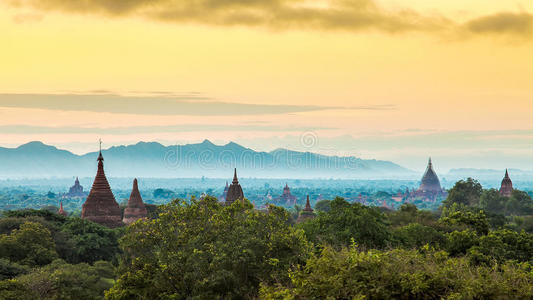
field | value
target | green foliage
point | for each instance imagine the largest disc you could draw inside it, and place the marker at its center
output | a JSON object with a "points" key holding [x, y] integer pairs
{"points": [[9, 270], [459, 242], [346, 222], [60, 280], [199, 249], [400, 274], [501, 245], [409, 213], [30, 245], [417, 235], [323, 205], [45, 214], [460, 218], [466, 192], [14, 290], [91, 241]]}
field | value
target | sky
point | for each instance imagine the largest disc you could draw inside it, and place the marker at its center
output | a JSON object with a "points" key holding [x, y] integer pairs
{"points": [[397, 80]]}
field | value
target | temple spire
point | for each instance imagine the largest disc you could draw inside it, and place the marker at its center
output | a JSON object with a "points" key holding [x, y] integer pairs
{"points": [[235, 179], [308, 205], [61, 210]]}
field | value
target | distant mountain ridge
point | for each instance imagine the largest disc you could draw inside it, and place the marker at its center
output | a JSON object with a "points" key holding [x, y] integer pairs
{"points": [[152, 159]]}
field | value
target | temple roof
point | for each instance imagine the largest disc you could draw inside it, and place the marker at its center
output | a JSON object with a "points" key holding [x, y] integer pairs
{"points": [[135, 199], [234, 191], [506, 188], [430, 181], [135, 209], [101, 206]]}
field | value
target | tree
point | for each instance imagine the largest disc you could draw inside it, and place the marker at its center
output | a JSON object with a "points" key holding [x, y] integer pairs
{"points": [[465, 192], [30, 245], [408, 213], [200, 249], [323, 205], [416, 235], [60, 280], [90, 241], [400, 274], [344, 222]]}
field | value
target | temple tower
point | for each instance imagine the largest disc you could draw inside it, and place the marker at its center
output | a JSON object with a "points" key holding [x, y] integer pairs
{"points": [[306, 213], [61, 210], [135, 209], [430, 181], [234, 191], [101, 206], [506, 188]]}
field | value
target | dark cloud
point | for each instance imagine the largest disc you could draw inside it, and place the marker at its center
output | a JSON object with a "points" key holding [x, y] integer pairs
{"points": [[504, 23], [347, 15], [154, 105], [351, 15]]}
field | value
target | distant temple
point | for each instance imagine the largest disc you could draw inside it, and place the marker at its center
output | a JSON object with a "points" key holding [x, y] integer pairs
{"points": [[234, 191], [76, 190], [222, 197], [135, 209], [286, 198], [307, 213], [430, 188], [101, 206], [61, 210], [506, 188]]}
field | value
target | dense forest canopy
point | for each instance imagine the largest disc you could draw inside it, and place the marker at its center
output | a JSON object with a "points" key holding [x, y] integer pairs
{"points": [[477, 245]]}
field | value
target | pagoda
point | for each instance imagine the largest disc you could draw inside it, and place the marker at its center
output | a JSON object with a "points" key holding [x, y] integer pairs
{"points": [[61, 210], [222, 197], [506, 188], [430, 181], [307, 213], [287, 198], [76, 190], [135, 210], [234, 191], [101, 206]]}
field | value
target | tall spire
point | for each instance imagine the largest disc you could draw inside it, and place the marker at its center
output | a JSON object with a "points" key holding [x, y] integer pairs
{"points": [[100, 158], [235, 180], [430, 165], [506, 174], [61, 210], [308, 205]]}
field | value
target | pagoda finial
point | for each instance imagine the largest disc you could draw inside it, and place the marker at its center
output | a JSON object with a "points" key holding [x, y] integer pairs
{"points": [[100, 157], [308, 205], [235, 180], [506, 173]]}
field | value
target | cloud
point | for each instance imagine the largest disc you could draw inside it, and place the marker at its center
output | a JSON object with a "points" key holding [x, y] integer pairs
{"points": [[503, 23], [29, 129], [155, 105], [350, 15]]}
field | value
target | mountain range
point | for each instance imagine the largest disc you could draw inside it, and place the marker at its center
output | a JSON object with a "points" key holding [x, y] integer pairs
{"points": [[152, 159]]}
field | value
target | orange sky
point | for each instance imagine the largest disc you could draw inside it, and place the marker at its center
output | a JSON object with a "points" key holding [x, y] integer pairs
{"points": [[409, 68]]}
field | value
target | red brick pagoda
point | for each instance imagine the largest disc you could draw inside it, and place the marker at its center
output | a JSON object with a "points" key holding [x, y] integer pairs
{"points": [[234, 191], [135, 210], [101, 206], [506, 189]]}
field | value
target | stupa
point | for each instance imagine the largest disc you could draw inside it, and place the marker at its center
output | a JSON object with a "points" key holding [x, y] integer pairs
{"points": [[101, 206], [135, 210], [506, 188], [234, 191]]}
